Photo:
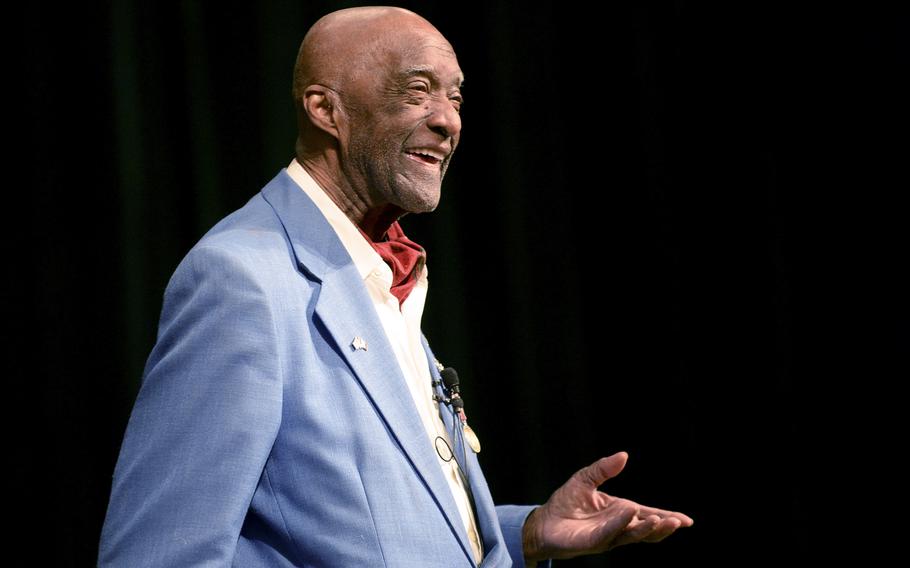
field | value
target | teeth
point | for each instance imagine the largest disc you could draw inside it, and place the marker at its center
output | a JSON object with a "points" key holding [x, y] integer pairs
{"points": [[427, 154]]}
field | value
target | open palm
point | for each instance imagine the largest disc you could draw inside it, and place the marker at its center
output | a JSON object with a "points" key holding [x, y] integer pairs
{"points": [[578, 519]]}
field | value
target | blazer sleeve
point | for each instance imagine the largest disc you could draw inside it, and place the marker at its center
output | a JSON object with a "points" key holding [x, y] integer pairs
{"points": [[203, 423], [511, 522]]}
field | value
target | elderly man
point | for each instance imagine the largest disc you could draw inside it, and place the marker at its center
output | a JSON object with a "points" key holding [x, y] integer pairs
{"points": [[291, 413]]}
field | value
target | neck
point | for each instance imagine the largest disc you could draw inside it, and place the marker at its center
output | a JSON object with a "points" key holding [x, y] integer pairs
{"points": [[372, 220], [377, 222]]}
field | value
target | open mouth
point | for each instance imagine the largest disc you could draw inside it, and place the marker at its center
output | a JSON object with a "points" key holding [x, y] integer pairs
{"points": [[422, 156]]}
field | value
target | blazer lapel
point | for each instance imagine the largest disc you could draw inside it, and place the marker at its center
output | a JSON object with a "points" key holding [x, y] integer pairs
{"points": [[344, 306]]}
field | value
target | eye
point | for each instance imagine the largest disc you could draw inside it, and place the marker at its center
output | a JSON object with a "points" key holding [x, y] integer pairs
{"points": [[457, 101], [419, 86]]}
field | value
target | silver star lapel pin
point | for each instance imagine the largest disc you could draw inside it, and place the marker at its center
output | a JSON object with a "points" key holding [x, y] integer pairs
{"points": [[359, 343]]}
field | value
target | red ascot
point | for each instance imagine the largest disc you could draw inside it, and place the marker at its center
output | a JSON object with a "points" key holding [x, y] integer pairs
{"points": [[405, 257]]}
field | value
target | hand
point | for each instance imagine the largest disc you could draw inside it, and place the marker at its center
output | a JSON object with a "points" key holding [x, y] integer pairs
{"points": [[578, 519]]}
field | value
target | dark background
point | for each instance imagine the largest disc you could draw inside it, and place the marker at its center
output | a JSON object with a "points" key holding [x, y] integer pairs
{"points": [[672, 228]]}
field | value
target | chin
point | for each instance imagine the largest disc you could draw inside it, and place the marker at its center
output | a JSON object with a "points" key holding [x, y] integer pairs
{"points": [[426, 207], [420, 201]]}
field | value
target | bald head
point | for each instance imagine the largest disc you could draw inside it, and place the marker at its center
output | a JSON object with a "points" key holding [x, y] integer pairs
{"points": [[342, 45]]}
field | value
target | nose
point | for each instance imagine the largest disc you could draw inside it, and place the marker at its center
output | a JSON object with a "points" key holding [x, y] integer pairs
{"points": [[444, 119]]}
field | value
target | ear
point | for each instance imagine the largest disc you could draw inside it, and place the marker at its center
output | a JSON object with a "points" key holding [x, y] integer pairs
{"points": [[320, 105]]}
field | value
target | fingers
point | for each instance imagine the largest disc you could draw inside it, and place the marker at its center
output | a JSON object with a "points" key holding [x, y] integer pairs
{"points": [[663, 529], [603, 469], [637, 530], [650, 529], [685, 520], [616, 524]]}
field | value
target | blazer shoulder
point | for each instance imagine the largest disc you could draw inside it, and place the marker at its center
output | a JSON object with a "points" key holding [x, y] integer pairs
{"points": [[256, 240], [252, 235]]}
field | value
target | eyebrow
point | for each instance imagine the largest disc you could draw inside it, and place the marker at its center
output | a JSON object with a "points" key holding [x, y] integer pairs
{"points": [[416, 70]]}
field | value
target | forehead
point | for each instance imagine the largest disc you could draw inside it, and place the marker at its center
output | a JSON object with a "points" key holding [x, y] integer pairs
{"points": [[426, 54]]}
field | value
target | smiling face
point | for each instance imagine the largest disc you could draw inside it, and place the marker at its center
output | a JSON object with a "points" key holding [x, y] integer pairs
{"points": [[402, 119]]}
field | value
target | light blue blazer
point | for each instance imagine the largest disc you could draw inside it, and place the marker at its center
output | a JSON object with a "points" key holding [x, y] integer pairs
{"points": [[262, 438]]}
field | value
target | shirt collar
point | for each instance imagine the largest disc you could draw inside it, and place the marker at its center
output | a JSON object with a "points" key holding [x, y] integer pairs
{"points": [[365, 258]]}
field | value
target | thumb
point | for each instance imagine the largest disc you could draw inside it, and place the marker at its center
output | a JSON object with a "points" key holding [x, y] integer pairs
{"points": [[603, 469]]}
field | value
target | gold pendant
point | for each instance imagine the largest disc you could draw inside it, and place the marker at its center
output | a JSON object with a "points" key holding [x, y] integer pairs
{"points": [[472, 439]]}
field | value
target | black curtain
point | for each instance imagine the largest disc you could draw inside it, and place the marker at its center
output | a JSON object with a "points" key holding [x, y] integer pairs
{"points": [[671, 228]]}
